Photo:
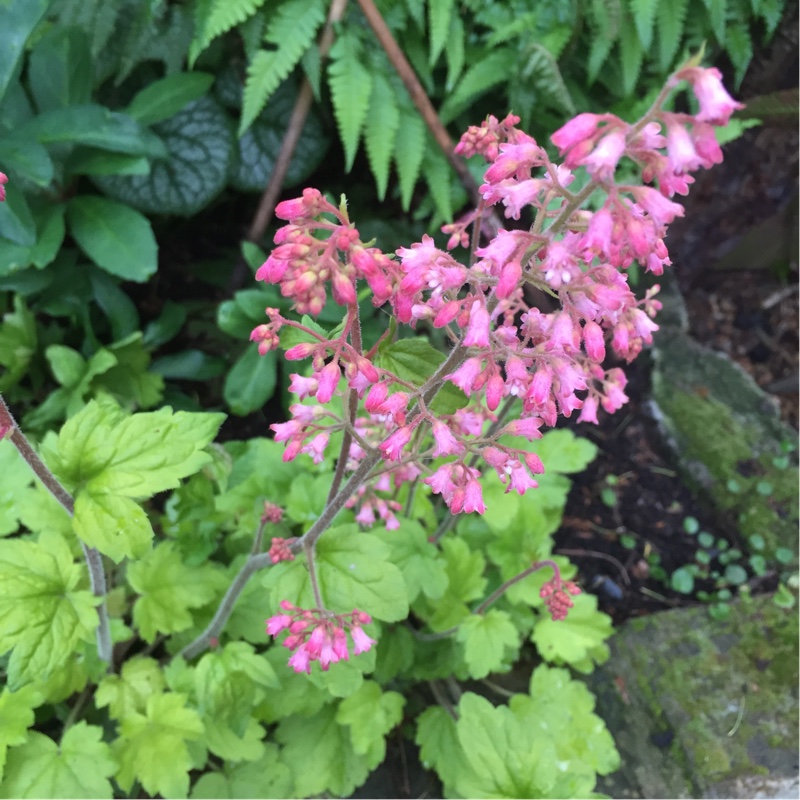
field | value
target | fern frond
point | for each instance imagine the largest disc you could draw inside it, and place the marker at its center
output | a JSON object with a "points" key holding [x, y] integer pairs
{"points": [[542, 70], [292, 29], [631, 57], [439, 14], [605, 17], [644, 14], [380, 131], [438, 176], [480, 77], [351, 86], [739, 46], [409, 150], [717, 11], [103, 28], [771, 11], [454, 54], [215, 17], [671, 18]]}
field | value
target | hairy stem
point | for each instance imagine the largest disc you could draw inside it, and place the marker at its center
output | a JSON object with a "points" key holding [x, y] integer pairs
{"points": [[94, 561]]}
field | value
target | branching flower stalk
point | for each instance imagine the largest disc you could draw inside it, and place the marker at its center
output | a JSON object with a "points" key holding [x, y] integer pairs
{"points": [[403, 428], [94, 561]]}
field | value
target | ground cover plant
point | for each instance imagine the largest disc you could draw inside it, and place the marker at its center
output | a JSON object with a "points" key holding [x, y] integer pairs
{"points": [[140, 569]]}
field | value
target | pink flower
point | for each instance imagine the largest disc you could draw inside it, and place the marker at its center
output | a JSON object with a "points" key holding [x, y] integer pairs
{"points": [[446, 443], [392, 448], [578, 130], [278, 623], [3, 181], [716, 105], [328, 379], [361, 642], [473, 498], [604, 158], [478, 328]]}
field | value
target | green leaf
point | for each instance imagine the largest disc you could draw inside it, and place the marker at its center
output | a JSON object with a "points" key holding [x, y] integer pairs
{"points": [[350, 83], [79, 766], [320, 755], [418, 560], [631, 54], [16, 221], [60, 69], [671, 19], [478, 79], [380, 130], [258, 147], [644, 12], [562, 451], [682, 581], [486, 639], [115, 237], [92, 161], [27, 159], [18, 343], [116, 526], [43, 615], [51, 229], [214, 17], [199, 145], [17, 21], [438, 172], [353, 570], [370, 713], [735, 574], [439, 747], [239, 316], [168, 589], [92, 125], [267, 777], [164, 98], [577, 640], [127, 693], [135, 456], [152, 746], [251, 381], [189, 365], [414, 360], [409, 151]]}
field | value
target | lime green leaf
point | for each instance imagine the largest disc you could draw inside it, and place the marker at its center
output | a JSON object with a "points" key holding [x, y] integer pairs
{"points": [[353, 570], [577, 640], [562, 708], [17, 477], [117, 526], [43, 616], [644, 13], [350, 83], [18, 343], [267, 777], [225, 742], [251, 381], [135, 456], [117, 238], [152, 746], [168, 589], [296, 694], [414, 360], [129, 380], [164, 98], [563, 451], [503, 757], [320, 755], [17, 21], [380, 130], [199, 146], [16, 712], [127, 693], [370, 714], [487, 638], [79, 766], [439, 748], [423, 570]]}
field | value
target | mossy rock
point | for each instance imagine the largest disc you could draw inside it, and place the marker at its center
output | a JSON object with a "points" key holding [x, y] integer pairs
{"points": [[701, 707], [728, 438]]}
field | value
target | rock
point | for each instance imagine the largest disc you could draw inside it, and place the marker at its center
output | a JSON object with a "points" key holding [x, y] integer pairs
{"points": [[702, 707]]}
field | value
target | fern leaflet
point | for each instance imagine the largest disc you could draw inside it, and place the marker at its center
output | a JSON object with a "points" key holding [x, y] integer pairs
{"points": [[631, 56], [439, 13], [454, 54], [644, 13], [438, 177], [409, 151], [215, 17], [380, 131], [488, 72], [351, 86], [717, 9], [292, 29], [671, 18]]}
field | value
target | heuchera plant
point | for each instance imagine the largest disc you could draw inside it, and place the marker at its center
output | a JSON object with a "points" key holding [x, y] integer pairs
{"points": [[401, 423]]}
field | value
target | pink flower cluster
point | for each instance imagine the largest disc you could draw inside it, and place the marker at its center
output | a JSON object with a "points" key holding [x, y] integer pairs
{"points": [[316, 635], [511, 343], [556, 595]]}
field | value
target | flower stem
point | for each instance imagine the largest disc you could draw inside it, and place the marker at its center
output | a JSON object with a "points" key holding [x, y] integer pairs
{"points": [[94, 561]]}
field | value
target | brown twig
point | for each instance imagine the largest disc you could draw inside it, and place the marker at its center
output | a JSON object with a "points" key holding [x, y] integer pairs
{"points": [[594, 554]]}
